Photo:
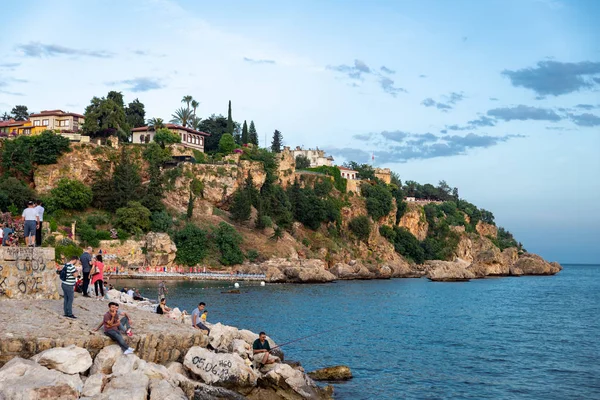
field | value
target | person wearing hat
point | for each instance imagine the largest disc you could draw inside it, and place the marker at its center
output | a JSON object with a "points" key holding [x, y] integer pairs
{"points": [[32, 221]]}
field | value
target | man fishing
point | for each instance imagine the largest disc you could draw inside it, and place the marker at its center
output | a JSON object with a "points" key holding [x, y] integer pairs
{"points": [[261, 349]]}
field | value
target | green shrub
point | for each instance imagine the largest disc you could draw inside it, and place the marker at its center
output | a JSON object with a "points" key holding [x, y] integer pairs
{"points": [[263, 221], [241, 207], [252, 255], [361, 227], [165, 137], [96, 219], [277, 234], [135, 218], [226, 144], [49, 241], [13, 191], [71, 194], [323, 186], [339, 182], [199, 156], [306, 242], [191, 245], [103, 235], [122, 234], [87, 234], [302, 162], [68, 249], [160, 221], [228, 241], [379, 200]]}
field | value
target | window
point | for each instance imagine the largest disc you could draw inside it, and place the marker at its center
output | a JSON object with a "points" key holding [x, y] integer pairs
{"points": [[45, 122], [64, 123], [37, 122], [184, 137]]}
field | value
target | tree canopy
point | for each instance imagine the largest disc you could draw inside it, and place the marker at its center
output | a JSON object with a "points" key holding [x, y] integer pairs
{"points": [[135, 114], [20, 113], [277, 142], [106, 116]]}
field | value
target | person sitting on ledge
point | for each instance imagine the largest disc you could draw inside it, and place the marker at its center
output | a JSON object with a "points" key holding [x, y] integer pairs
{"points": [[137, 295], [114, 323], [260, 350], [197, 321], [162, 308], [124, 290]]}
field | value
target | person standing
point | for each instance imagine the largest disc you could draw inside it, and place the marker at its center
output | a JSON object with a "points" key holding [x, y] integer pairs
{"points": [[162, 290], [86, 267], [68, 286], [32, 222], [38, 232], [98, 277]]}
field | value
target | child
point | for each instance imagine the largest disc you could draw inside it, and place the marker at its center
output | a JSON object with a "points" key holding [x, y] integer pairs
{"points": [[204, 315]]}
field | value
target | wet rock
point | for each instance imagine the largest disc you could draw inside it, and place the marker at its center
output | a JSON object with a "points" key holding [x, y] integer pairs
{"points": [[70, 360], [282, 377], [163, 390], [337, 373]]}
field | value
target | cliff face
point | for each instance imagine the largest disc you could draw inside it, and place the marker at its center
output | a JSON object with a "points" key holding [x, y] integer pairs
{"points": [[414, 220]]}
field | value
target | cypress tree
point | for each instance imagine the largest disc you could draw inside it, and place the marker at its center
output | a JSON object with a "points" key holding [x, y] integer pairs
{"points": [[252, 135], [126, 182], [230, 127], [277, 142], [245, 138]]}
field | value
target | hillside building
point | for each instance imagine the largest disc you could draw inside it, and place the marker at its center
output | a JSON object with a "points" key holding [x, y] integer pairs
{"points": [[190, 138], [316, 157]]}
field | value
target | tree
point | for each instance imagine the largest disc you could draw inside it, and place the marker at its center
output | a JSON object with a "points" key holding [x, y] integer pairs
{"points": [[156, 156], [135, 114], [277, 142], [105, 117], [20, 113], [302, 162], [252, 134], [117, 97], [226, 144], [126, 182], [195, 105], [365, 171], [165, 137], [245, 137], [5, 117], [230, 126], [191, 245], [379, 200], [71, 194], [228, 241], [216, 125], [14, 191], [160, 221], [195, 123], [187, 100], [134, 218], [241, 207], [155, 124], [361, 227], [48, 147], [182, 116]]}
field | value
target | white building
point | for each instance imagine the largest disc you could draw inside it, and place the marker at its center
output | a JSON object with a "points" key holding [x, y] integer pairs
{"points": [[348, 173], [316, 157]]}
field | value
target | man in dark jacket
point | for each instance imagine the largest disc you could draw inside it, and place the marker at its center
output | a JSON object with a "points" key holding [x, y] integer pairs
{"points": [[86, 266]]}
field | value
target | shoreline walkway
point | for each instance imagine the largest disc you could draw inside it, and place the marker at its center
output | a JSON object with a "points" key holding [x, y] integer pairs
{"points": [[209, 276]]}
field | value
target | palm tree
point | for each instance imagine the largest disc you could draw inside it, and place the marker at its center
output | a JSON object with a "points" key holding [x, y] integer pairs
{"points": [[195, 105], [182, 116], [156, 124], [6, 116], [195, 123], [187, 100]]}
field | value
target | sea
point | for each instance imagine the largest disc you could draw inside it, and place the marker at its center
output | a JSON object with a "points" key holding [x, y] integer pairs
{"points": [[533, 337]]}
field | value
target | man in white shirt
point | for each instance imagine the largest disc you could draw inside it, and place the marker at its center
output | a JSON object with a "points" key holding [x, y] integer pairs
{"points": [[130, 292], [32, 222], [38, 232]]}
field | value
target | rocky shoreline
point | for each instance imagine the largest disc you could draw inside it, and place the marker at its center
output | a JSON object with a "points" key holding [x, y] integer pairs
{"points": [[47, 356]]}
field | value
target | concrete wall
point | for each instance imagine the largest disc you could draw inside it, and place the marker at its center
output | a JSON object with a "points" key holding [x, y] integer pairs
{"points": [[28, 273]]}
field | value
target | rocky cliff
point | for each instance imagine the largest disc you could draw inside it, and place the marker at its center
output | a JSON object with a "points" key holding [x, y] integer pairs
{"points": [[414, 220]]}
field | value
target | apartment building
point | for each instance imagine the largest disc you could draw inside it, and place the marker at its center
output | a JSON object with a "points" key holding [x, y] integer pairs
{"points": [[56, 120], [190, 138]]}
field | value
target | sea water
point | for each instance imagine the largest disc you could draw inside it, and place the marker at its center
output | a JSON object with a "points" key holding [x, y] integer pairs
{"points": [[532, 337]]}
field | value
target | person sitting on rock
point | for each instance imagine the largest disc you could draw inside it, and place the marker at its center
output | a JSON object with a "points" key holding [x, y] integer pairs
{"points": [[124, 290], [162, 308], [114, 323], [137, 295], [197, 321], [261, 349]]}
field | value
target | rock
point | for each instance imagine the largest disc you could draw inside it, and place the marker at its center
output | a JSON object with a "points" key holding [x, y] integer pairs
{"points": [[25, 379], [449, 271], [114, 295], [228, 370], [70, 360], [202, 391], [221, 336], [125, 298], [385, 272], [125, 364], [414, 220], [532, 264], [163, 390], [131, 386], [241, 348], [283, 377], [337, 373], [486, 229], [274, 274], [161, 250], [247, 336], [175, 367], [105, 359], [94, 385]]}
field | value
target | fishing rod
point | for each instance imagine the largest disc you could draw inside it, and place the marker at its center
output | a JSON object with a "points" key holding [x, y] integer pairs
{"points": [[311, 335]]}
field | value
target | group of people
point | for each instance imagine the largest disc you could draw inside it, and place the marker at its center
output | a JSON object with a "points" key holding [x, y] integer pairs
{"points": [[33, 216]]}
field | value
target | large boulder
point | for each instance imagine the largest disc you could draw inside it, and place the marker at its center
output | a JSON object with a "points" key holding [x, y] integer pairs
{"points": [[70, 360], [449, 271], [532, 264], [337, 373], [221, 369], [131, 386], [221, 336], [163, 390], [94, 384], [241, 348], [282, 377], [105, 359], [25, 379], [161, 250]]}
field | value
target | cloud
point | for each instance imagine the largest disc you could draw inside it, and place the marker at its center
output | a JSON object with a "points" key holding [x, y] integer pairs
{"points": [[451, 100], [482, 121], [585, 106], [140, 84], [9, 65], [422, 76], [387, 70], [493, 98], [352, 71], [558, 128], [37, 49], [556, 78], [388, 86], [523, 113], [5, 82], [259, 61], [457, 128], [403, 146], [585, 119]]}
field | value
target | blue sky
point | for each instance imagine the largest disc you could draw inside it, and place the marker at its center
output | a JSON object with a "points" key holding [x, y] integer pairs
{"points": [[498, 98]]}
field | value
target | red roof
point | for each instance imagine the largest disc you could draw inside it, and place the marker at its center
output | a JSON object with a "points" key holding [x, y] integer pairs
{"points": [[56, 113], [171, 126], [347, 169], [7, 123]]}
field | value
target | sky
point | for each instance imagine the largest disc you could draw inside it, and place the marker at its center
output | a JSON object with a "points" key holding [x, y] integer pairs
{"points": [[500, 98]]}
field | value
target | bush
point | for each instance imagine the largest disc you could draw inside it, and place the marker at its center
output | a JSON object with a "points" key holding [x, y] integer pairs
{"points": [[103, 235], [68, 249], [264, 221], [199, 156], [53, 225], [96, 219], [323, 186], [191, 245], [302, 162], [13, 191], [226, 144], [339, 182], [122, 234], [252, 255], [135, 218], [71, 194], [360, 227], [164, 137], [241, 208], [160, 221], [87, 234], [379, 200], [228, 241]]}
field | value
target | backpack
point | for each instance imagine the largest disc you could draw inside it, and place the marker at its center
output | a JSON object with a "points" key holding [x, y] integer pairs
{"points": [[63, 273]]}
